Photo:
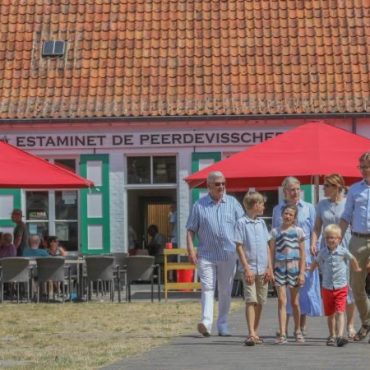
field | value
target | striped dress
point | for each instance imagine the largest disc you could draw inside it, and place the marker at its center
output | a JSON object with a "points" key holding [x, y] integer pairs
{"points": [[287, 257]]}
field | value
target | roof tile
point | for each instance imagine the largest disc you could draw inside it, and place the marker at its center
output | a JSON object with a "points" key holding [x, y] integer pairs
{"points": [[132, 57]]}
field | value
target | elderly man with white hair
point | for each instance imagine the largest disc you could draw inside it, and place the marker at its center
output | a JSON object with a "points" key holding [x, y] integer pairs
{"points": [[213, 219]]}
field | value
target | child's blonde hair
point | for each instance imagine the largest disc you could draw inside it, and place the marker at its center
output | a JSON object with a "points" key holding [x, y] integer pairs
{"points": [[332, 229], [251, 198]]}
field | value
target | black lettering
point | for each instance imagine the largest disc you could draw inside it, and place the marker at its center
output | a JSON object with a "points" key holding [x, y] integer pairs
{"points": [[210, 137], [176, 139], [154, 139], [245, 137], [91, 141], [101, 139], [20, 141], [50, 142], [117, 140], [80, 140], [235, 139], [129, 139], [225, 138], [269, 135], [257, 137], [166, 139], [144, 139], [62, 141], [199, 138], [188, 139]]}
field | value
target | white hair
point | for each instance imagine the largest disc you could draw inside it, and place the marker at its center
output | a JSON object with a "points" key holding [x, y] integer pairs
{"points": [[212, 176], [290, 180]]}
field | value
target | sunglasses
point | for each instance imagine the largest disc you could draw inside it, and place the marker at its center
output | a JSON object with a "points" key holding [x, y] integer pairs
{"points": [[328, 185], [219, 184], [363, 167]]}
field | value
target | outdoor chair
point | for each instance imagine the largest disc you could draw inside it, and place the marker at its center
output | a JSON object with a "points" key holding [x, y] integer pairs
{"points": [[53, 269], [142, 269], [15, 270], [101, 269], [120, 263]]}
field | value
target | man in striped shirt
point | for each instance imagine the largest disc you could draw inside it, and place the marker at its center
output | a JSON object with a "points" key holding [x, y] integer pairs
{"points": [[213, 219]]}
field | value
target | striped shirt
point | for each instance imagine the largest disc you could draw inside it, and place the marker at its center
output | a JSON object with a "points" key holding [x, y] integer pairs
{"points": [[306, 221], [214, 224]]}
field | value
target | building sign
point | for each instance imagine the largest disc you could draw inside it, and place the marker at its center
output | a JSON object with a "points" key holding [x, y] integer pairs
{"points": [[143, 139]]}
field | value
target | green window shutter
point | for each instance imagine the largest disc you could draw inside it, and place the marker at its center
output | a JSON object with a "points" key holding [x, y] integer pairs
{"points": [[196, 159], [13, 197], [94, 205], [308, 193]]}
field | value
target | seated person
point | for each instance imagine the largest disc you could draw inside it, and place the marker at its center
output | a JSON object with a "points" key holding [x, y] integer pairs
{"points": [[54, 248], [33, 250], [157, 243], [7, 248]]}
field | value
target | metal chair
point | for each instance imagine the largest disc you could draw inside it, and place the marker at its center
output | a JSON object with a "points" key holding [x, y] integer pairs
{"points": [[15, 270], [101, 269], [120, 262], [53, 269], [142, 269]]}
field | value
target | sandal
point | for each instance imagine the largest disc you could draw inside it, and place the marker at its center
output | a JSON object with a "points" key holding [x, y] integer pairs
{"points": [[331, 341], [281, 339], [362, 333], [299, 338], [258, 340], [341, 341], [351, 334], [250, 341]]}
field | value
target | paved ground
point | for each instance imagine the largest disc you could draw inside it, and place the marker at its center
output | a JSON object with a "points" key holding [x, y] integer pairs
{"points": [[192, 352]]}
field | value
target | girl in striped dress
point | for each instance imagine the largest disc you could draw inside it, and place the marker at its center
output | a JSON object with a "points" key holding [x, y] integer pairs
{"points": [[288, 258]]}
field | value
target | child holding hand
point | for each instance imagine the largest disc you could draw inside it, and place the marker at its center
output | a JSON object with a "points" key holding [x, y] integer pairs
{"points": [[288, 259], [332, 260], [252, 238]]}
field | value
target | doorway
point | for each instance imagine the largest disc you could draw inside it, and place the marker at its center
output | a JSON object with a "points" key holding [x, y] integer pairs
{"points": [[146, 207]]}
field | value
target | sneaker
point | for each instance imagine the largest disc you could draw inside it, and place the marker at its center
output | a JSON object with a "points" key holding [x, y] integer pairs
{"points": [[331, 341], [341, 341], [202, 329]]}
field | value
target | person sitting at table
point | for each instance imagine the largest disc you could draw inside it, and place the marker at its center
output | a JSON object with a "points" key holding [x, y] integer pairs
{"points": [[33, 250], [54, 249], [156, 243], [7, 248]]}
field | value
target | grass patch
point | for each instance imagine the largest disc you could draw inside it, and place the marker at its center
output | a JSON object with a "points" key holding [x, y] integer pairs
{"points": [[88, 335]]}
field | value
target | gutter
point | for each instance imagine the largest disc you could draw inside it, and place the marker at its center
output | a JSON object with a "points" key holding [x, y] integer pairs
{"points": [[313, 116]]}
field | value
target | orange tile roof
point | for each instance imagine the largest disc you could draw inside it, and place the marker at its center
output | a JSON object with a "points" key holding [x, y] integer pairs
{"points": [[184, 57]]}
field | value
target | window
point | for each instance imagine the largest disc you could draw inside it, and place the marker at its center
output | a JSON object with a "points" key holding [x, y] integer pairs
{"points": [[55, 212], [151, 170], [53, 48]]}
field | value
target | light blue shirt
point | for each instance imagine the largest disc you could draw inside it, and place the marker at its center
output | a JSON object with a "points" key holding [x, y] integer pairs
{"points": [[333, 266], [254, 236], [357, 209], [30, 252], [306, 221], [330, 213], [214, 223]]}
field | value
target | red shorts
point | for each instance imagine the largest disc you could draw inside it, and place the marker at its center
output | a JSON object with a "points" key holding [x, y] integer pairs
{"points": [[334, 300]]}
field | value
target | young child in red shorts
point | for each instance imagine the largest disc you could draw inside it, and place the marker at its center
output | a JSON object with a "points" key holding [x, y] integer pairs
{"points": [[332, 260]]}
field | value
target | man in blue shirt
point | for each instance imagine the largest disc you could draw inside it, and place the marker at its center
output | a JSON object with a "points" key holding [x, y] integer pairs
{"points": [[213, 218], [357, 213], [33, 250]]}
